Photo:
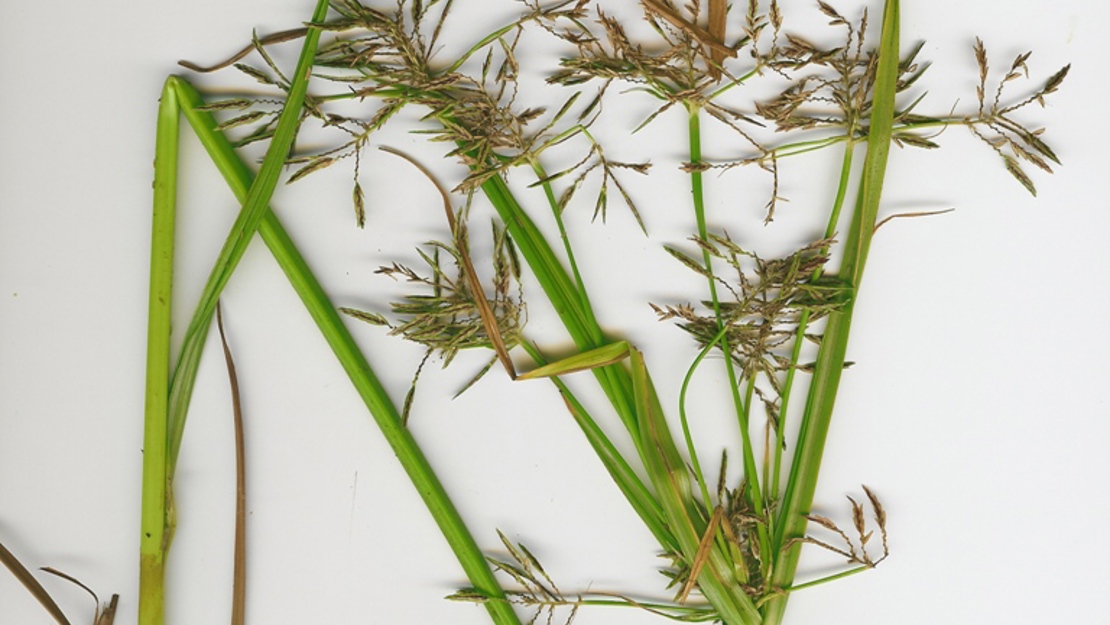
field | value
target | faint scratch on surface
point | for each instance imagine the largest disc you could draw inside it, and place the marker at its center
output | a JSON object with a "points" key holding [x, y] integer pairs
{"points": [[354, 497]]}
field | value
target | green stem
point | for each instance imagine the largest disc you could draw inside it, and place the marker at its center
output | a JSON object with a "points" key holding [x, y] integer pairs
{"points": [[164, 423], [255, 206], [754, 494], [667, 474], [369, 388], [557, 213], [681, 613], [698, 193], [568, 296], [671, 478], [562, 292], [828, 578], [797, 148], [809, 449], [152, 542], [803, 320], [805, 147], [630, 484]]}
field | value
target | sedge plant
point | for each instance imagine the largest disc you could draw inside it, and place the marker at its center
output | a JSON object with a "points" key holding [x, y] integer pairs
{"points": [[736, 547], [167, 397]]}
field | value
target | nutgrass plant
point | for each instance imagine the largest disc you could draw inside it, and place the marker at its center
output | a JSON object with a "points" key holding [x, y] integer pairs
{"points": [[732, 548], [167, 397]]}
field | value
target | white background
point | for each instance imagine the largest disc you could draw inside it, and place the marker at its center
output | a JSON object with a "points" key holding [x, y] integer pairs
{"points": [[975, 410]]}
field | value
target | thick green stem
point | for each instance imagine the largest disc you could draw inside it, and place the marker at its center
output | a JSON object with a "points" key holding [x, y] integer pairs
{"points": [[152, 543], [164, 423], [562, 292], [635, 401], [717, 580], [809, 449], [557, 214], [630, 484], [803, 320], [573, 309], [671, 479], [239, 178]]}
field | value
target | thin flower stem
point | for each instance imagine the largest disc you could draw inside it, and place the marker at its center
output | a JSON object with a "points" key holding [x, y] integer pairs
{"points": [[557, 213], [698, 192], [742, 406], [829, 578], [736, 82], [803, 320], [797, 148], [675, 612]]}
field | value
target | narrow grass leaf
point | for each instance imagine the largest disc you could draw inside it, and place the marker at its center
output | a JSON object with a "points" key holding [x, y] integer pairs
{"points": [[255, 206], [600, 357], [239, 177], [633, 487], [668, 474], [790, 522]]}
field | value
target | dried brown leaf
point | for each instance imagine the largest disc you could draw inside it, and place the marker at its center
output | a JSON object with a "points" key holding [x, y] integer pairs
{"points": [[239, 554], [32, 585]]}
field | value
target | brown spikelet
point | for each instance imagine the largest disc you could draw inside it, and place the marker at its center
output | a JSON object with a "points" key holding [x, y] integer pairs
{"points": [[1055, 80], [1017, 172], [359, 200], [984, 69], [858, 518], [880, 517], [315, 164]]}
